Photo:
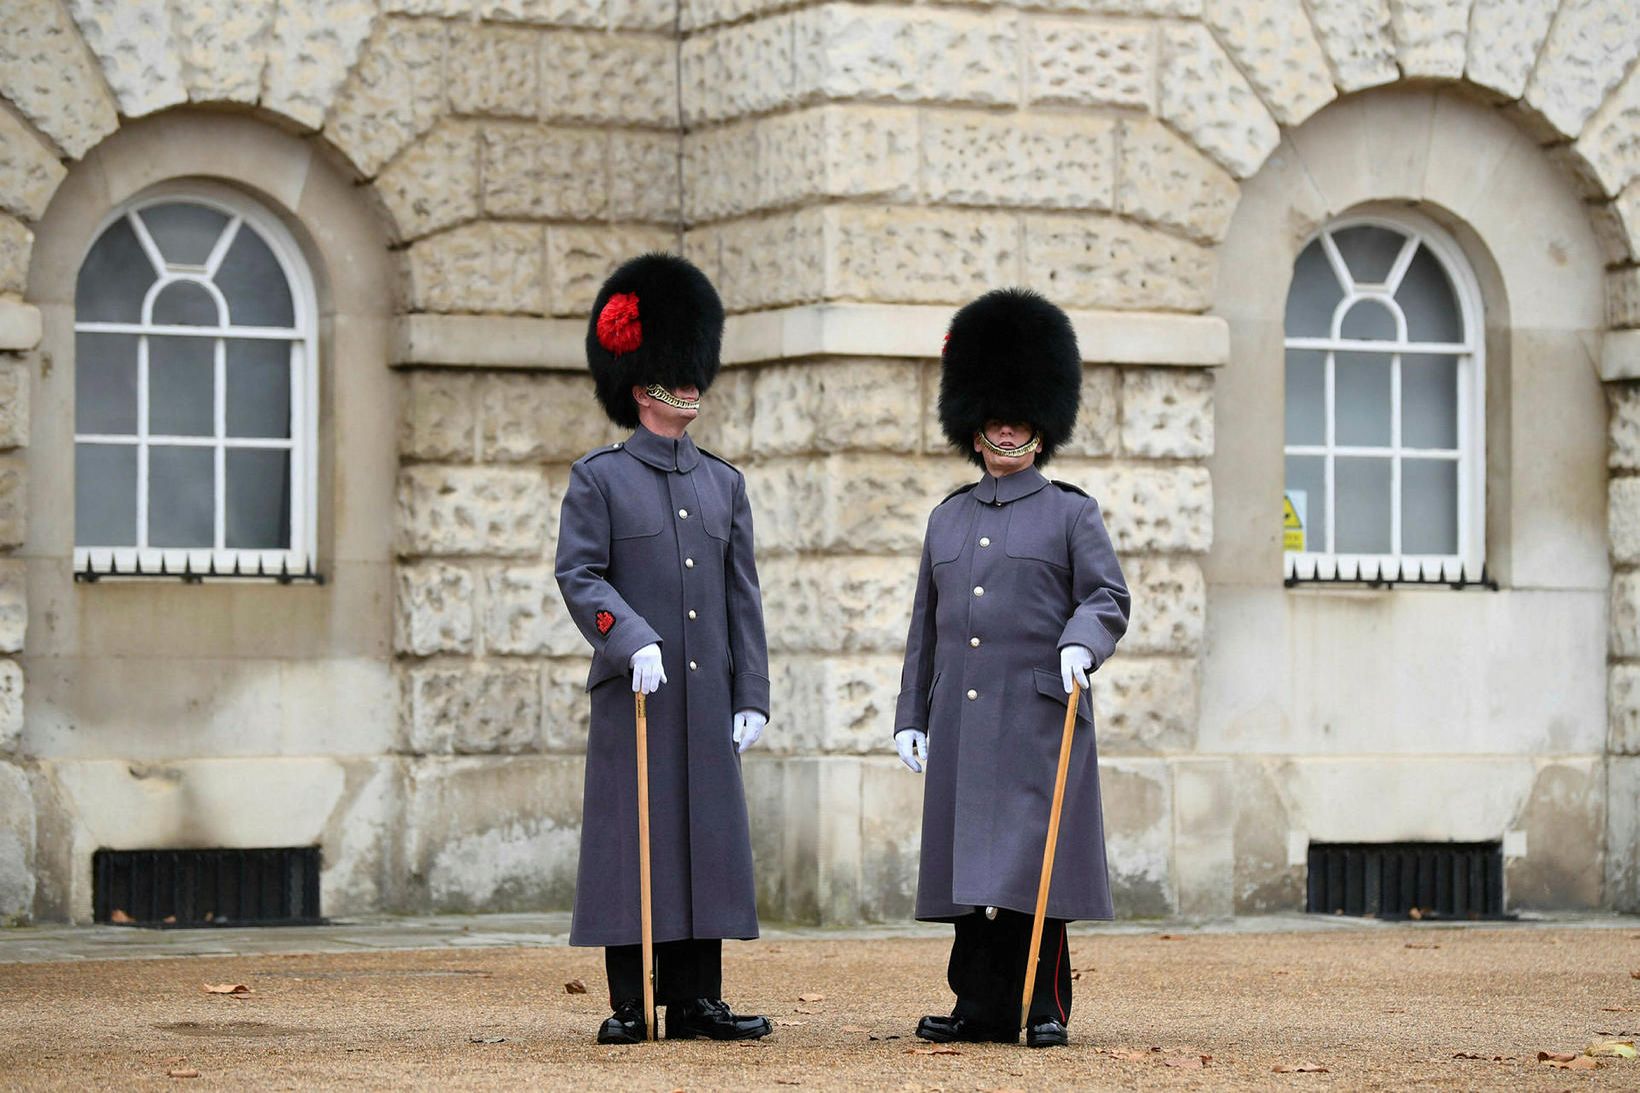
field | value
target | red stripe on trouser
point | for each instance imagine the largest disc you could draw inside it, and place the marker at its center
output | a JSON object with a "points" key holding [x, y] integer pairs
{"points": [[1058, 962]]}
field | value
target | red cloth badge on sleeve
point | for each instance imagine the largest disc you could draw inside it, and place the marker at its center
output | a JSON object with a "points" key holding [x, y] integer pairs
{"points": [[605, 621]]}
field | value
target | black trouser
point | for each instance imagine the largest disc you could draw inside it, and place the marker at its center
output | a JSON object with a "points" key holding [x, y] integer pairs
{"points": [[987, 970], [684, 970]]}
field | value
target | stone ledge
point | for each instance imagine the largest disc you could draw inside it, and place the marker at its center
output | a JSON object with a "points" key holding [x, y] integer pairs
{"points": [[19, 325], [836, 330], [1620, 355]]}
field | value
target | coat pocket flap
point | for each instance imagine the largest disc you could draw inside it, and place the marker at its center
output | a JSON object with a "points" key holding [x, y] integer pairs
{"points": [[1049, 685]]}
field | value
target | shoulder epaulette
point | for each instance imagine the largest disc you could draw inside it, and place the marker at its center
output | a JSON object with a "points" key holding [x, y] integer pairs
{"points": [[596, 452], [719, 458], [959, 489], [1068, 488]]}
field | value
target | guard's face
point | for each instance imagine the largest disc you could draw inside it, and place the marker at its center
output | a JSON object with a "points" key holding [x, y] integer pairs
{"points": [[664, 411], [1005, 434]]}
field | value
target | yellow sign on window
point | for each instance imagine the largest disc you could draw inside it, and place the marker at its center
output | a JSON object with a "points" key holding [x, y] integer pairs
{"points": [[1293, 519]]}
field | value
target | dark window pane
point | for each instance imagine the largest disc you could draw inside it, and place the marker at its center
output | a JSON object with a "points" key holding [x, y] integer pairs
{"points": [[253, 284], [1368, 252], [184, 234], [258, 387], [1429, 506], [1314, 294], [1430, 305], [181, 375], [105, 495], [258, 498], [105, 383], [1369, 321], [114, 278], [1307, 488], [181, 497], [1429, 401], [184, 303], [1363, 506], [1306, 396], [1361, 399]]}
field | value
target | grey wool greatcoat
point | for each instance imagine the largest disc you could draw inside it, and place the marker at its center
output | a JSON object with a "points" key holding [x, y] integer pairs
{"points": [[1013, 570], [655, 545]]}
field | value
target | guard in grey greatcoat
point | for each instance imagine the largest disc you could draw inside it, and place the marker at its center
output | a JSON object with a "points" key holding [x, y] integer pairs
{"points": [[655, 566], [1019, 593]]}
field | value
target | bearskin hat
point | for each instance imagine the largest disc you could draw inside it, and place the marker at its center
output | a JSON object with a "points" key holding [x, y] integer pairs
{"points": [[1010, 356], [656, 320]]}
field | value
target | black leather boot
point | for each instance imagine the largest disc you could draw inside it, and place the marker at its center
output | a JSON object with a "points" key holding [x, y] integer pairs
{"points": [[944, 1030], [626, 1025], [713, 1019], [1046, 1032]]}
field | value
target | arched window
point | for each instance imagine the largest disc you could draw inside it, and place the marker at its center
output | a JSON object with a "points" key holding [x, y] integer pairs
{"points": [[194, 391], [1385, 430]]}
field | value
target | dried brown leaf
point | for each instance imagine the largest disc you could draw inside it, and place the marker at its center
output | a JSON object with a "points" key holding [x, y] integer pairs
{"points": [[783, 1023], [1581, 1062], [1300, 1068], [486, 1039], [1469, 1055], [227, 988], [182, 1072], [1188, 1062], [575, 986], [1612, 1049], [1420, 945], [804, 1009], [1556, 1056], [936, 1049], [121, 918], [811, 998]]}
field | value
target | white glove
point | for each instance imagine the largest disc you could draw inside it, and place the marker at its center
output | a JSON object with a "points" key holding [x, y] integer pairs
{"points": [[748, 727], [1074, 662], [912, 744], [647, 673]]}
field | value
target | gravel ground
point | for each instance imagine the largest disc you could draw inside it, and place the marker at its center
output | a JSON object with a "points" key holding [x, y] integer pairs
{"points": [[1382, 1009]]}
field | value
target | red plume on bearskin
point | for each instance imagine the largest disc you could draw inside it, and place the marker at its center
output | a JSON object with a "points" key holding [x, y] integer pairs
{"points": [[656, 320], [619, 330]]}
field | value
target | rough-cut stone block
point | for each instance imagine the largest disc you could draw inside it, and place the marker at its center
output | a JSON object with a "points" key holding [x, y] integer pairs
{"points": [[46, 73], [848, 603], [1045, 161], [745, 69], [11, 706], [579, 258], [433, 610], [768, 262], [1208, 100], [877, 503], [29, 171], [898, 255], [550, 13], [16, 244], [1610, 145], [1623, 297], [642, 15], [13, 406], [486, 267], [1504, 39], [834, 705], [1098, 424], [1623, 400], [1167, 413], [1273, 43], [721, 175], [440, 413], [314, 46], [480, 709], [1149, 509], [1588, 49], [726, 425], [17, 842], [1169, 606], [1165, 180], [472, 510], [1357, 37], [1099, 261], [13, 605], [788, 498], [524, 614], [644, 181], [1622, 872], [1139, 836], [835, 151], [1623, 635], [846, 51], [395, 93], [610, 79], [1622, 709], [1145, 705], [135, 48], [223, 48], [699, 14], [13, 501], [566, 711], [1623, 520], [494, 70], [1085, 62], [543, 418], [545, 173], [845, 405], [435, 182], [1431, 37]]}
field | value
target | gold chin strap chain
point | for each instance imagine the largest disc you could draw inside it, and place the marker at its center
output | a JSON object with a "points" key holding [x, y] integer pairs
{"points": [[656, 391], [1026, 448]]}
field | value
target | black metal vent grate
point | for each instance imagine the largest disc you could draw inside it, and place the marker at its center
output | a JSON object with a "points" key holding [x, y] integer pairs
{"points": [[277, 887], [1404, 880]]}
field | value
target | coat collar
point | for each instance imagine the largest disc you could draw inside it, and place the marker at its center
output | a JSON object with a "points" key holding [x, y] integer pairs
{"points": [[1000, 491], [664, 453]]}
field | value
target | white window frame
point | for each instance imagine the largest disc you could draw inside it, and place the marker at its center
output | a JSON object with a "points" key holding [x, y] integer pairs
{"points": [[299, 557], [1470, 453]]}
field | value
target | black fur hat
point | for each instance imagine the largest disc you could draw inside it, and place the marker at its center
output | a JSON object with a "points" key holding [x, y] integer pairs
{"points": [[656, 320], [1010, 356]]}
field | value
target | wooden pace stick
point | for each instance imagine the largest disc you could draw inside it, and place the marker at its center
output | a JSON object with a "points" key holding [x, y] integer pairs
{"points": [[643, 871], [1048, 852]]}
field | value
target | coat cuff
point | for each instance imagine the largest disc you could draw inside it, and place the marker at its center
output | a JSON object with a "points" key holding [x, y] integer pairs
{"points": [[1089, 634], [618, 650], [911, 712], [750, 691]]}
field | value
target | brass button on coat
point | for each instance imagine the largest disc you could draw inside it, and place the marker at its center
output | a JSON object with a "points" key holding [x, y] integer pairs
{"points": [[693, 666], [691, 614], [683, 514], [689, 563], [979, 590], [974, 642], [973, 694], [984, 540]]}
